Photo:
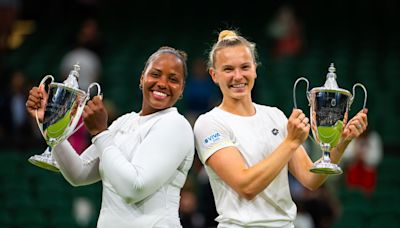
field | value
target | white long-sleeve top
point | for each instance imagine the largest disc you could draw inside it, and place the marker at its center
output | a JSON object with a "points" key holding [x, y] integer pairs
{"points": [[142, 162]]}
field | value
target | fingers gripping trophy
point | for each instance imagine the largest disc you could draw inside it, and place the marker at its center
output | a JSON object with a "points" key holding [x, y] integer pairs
{"points": [[329, 107], [63, 109]]}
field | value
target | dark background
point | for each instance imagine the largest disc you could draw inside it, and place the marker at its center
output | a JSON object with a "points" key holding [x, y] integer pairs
{"points": [[362, 38]]}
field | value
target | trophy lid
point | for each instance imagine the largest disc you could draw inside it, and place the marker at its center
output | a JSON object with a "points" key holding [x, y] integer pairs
{"points": [[330, 83], [72, 80]]}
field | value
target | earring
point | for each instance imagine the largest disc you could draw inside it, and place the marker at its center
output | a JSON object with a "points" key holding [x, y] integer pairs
{"points": [[140, 86], [180, 96]]}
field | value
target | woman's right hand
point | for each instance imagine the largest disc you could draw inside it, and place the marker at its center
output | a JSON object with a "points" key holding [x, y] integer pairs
{"points": [[298, 127], [37, 102]]}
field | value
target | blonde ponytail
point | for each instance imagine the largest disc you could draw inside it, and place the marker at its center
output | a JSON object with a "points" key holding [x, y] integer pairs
{"points": [[230, 38]]}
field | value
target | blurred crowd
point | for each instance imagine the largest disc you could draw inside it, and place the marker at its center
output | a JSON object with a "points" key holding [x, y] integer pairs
{"points": [[320, 208]]}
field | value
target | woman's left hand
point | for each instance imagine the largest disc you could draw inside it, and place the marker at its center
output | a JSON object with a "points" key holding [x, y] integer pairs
{"points": [[356, 126], [95, 116]]}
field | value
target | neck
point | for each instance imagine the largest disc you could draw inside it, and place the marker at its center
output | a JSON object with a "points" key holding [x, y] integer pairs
{"points": [[241, 107], [148, 111]]}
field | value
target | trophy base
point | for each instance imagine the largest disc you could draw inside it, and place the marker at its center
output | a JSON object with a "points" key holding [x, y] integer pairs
{"points": [[326, 168], [44, 161]]}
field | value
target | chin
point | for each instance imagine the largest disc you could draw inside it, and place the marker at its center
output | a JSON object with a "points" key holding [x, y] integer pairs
{"points": [[160, 105], [239, 95]]}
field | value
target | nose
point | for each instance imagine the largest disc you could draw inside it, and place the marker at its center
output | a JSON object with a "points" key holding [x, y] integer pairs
{"points": [[237, 74], [162, 82]]}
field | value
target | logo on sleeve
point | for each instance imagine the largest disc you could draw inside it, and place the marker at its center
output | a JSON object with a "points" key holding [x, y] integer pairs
{"points": [[212, 138], [275, 131]]}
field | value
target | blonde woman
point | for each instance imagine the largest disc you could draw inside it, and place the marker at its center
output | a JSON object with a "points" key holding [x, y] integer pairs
{"points": [[248, 148]]}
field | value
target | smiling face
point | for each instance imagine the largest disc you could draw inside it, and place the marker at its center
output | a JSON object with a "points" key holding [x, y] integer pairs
{"points": [[234, 71], [162, 83]]}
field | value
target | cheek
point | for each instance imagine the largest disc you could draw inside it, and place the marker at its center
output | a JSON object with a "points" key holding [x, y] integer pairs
{"points": [[175, 90], [146, 83], [222, 77], [179, 90]]}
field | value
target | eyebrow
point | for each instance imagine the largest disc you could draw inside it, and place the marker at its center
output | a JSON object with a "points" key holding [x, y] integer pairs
{"points": [[172, 74], [243, 64], [159, 71]]}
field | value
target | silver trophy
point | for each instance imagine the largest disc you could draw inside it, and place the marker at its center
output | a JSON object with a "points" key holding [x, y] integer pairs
{"points": [[63, 110], [329, 107]]}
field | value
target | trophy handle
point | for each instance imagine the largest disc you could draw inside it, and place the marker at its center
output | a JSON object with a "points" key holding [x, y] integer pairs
{"points": [[294, 91], [354, 94], [91, 86], [86, 99], [308, 98], [40, 125]]}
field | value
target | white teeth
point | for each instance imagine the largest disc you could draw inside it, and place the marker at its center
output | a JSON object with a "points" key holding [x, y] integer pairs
{"points": [[238, 85], [159, 94]]}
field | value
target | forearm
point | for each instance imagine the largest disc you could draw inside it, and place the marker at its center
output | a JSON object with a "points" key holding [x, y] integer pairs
{"points": [[77, 170], [151, 167], [337, 152], [313, 180], [259, 176], [125, 178]]}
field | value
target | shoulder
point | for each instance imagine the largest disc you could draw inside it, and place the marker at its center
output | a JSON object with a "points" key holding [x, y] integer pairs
{"points": [[271, 111], [212, 124], [175, 117], [175, 121], [207, 119], [268, 109], [174, 129]]}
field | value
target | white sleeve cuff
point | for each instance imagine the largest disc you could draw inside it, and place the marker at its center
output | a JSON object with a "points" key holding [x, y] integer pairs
{"points": [[99, 135], [103, 141]]}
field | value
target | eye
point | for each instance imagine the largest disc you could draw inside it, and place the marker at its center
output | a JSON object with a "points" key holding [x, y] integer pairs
{"points": [[155, 74], [227, 69], [246, 67], [174, 79]]}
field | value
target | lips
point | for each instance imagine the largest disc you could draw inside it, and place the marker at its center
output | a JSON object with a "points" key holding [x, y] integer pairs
{"points": [[238, 86], [159, 95]]}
